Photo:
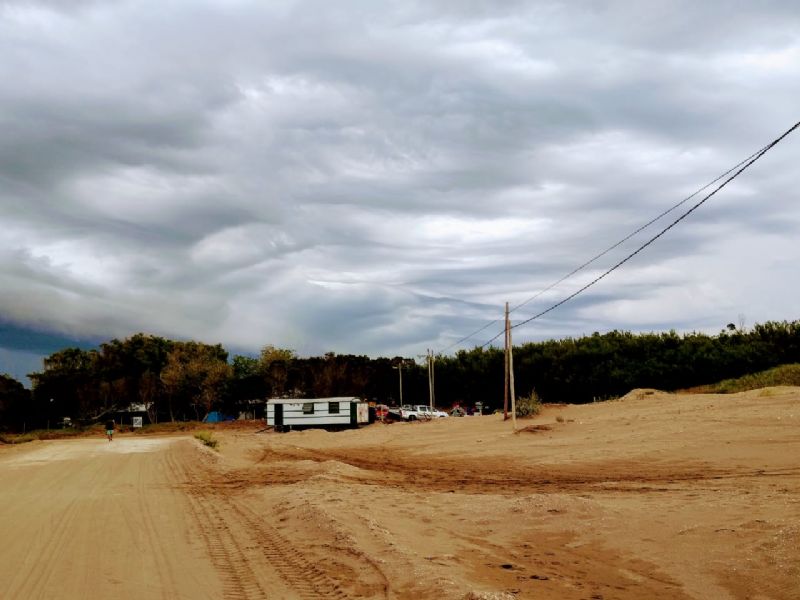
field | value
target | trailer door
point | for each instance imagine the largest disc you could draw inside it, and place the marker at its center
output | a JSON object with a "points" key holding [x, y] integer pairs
{"points": [[278, 415]]}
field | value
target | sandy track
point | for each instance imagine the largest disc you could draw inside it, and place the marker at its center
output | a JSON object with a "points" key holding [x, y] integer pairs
{"points": [[89, 518], [654, 496], [141, 518]]}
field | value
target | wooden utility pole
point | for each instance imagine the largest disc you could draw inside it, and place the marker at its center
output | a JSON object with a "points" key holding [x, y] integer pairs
{"points": [[430, 376], [399, 368], [511, 375], [433, 378], [401, 382], [505, 362]]}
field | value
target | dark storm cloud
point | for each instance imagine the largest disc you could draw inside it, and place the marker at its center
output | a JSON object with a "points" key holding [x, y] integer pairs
{"points": [[380, 177], [30, 340], [22, 349]]}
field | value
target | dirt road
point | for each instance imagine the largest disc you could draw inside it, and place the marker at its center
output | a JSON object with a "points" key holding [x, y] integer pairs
{"points": [[93, 519], [652, 496]]}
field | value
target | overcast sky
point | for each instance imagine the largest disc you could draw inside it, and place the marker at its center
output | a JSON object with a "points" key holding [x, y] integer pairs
{"points": [[380, 177]]}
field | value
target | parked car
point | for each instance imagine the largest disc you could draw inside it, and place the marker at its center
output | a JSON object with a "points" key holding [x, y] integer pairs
{"points": [[417, 412], [425, 411], [410, 413]]}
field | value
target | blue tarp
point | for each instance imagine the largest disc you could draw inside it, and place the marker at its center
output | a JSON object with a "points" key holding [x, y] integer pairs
{"points": [[216, 417]]}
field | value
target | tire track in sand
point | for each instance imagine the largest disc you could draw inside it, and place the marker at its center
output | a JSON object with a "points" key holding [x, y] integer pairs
{"points": [[297, 571], [232, 560], [248, 552]]}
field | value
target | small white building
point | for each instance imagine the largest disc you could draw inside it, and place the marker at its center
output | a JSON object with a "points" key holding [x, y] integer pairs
{"points": [[294, 413]]}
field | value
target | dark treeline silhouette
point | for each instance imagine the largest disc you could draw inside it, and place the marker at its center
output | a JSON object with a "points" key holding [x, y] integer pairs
{"points": [[176, 380]]}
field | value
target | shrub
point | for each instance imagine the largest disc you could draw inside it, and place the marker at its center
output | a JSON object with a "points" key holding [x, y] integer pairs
{"points": [[7, 438], [207, 438], [529, 406]]}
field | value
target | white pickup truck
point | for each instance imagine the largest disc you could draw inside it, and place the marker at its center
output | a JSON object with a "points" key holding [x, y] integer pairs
{"points": [[433, 412], [419, 412]]}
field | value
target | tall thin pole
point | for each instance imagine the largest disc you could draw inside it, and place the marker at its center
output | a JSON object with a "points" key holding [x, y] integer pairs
{"points": [[511, 374], [505, 363], [400, 371], [430, 376], [433, 379]]}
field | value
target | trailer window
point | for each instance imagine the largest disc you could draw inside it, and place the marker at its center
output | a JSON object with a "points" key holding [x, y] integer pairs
{"points": [[333, 408], [308, 408]]}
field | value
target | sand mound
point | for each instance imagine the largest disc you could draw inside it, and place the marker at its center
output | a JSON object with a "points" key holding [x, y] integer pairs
{"points": [[640, 393]]}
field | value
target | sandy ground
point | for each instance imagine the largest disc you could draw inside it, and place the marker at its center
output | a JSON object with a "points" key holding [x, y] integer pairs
{"points": [[652, 496]]}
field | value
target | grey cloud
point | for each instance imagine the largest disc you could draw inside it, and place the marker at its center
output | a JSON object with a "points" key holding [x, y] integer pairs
{"points": [[376, 178]]}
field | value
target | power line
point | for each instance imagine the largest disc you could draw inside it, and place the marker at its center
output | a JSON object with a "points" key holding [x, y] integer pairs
{"points": [[602, 254], [493, 339], [694, 207], [741, 166], [474, 333], [629, 236]]}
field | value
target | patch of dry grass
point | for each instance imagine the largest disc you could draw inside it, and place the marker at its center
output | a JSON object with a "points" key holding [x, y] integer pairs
{"points": [[782, 375]]}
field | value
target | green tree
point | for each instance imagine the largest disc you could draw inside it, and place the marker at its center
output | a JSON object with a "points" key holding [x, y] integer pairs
{"points": [[67, 386], [15, 403], [195, 377], [129, 371], [275, 364]]}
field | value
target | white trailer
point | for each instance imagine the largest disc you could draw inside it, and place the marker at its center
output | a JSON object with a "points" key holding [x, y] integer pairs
{"points": [[340, 412]]}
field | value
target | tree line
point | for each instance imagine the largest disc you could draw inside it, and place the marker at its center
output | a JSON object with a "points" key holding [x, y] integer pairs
{"points": [[180, 380]]}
